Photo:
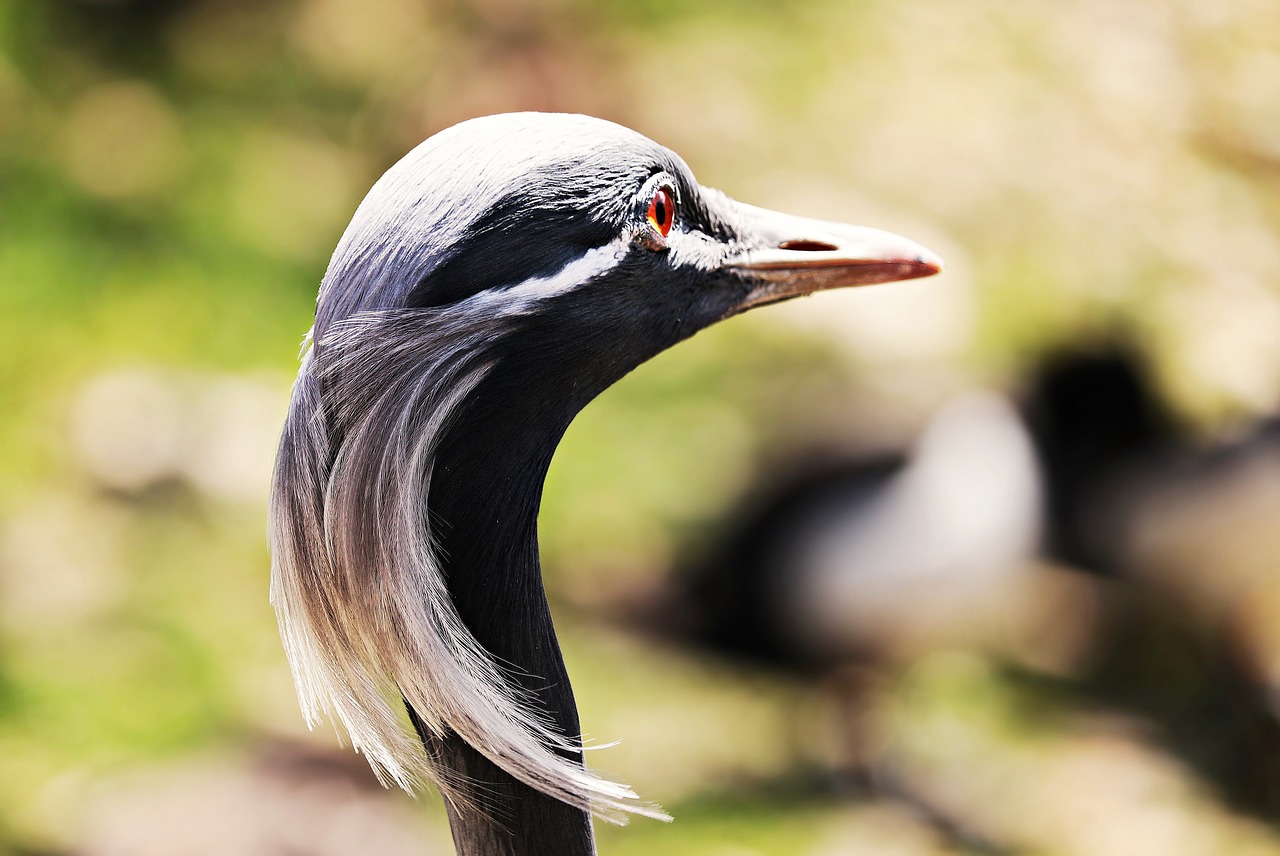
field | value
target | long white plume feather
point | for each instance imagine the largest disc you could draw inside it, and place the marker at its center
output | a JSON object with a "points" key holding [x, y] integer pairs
{"points": [[356, 581]]}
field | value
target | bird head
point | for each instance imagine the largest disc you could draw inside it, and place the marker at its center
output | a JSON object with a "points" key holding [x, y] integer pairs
{"points": [[593, 241], [491, 283]]}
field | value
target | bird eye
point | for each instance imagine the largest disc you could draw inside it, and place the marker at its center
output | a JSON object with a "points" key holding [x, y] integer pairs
{"points": [[662, 211]]}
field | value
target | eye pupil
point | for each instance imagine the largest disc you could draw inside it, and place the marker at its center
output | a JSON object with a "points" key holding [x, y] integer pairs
{"points": [[662, 211]]}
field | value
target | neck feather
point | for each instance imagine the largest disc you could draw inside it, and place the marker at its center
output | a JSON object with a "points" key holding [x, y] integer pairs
{"points": [[382, 592]]}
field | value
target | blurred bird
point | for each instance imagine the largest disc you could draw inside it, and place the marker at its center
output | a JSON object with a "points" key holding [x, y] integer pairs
{"points": [[1183, 528], [1134, 494], [492, 283], [882, 556]]}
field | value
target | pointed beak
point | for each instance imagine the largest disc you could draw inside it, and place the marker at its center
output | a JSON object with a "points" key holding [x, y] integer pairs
{"points": [[786, 256]]}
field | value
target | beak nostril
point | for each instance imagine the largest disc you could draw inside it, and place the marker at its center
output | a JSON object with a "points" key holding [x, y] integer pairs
{"points": [[807, 246]]}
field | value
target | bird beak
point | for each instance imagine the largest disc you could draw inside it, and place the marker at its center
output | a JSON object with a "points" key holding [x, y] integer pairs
{"points": [[786, 256]]}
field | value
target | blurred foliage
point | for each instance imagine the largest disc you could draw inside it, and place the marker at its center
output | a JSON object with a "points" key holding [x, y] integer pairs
{"points": [[173, 174]]}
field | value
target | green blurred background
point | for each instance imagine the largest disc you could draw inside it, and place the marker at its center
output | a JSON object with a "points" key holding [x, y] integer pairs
{"points": [[173, 175]]}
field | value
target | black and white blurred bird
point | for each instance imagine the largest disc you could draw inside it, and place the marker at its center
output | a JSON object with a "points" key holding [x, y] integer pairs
{"points": [[882, 556], [491, 284]]}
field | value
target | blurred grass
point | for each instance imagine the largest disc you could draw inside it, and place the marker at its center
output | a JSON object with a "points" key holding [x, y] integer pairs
{"points": [[173, 175]]}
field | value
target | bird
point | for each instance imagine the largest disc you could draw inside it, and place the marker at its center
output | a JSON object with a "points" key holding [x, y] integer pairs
{"points": [[491, 284], [1175, 528], [876, 556]]}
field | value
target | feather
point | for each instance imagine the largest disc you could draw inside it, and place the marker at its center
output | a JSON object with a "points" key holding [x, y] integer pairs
{"points": [[357, 584]]}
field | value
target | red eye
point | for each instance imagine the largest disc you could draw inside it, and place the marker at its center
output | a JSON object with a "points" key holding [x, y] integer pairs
{"points": [[662, 211]]}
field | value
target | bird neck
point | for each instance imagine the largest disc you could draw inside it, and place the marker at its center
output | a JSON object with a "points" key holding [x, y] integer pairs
{"points": [[486, 486]]}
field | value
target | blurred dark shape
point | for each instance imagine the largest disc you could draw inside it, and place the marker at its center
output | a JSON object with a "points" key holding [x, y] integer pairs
{"points": [[1174, 521], [1133, 494], [289, 799], [1096, 417]]}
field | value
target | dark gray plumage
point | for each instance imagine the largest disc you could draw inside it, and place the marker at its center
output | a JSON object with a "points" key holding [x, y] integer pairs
{"points": [[491, 284]]}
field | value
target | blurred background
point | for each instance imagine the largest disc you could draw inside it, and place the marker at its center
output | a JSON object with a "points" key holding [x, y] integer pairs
{"points": [[984, 563]]}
